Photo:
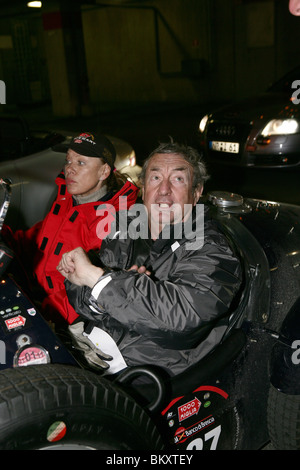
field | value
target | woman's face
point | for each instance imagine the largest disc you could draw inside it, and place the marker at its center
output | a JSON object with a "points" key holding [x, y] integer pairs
{"points": [[84, 175]]}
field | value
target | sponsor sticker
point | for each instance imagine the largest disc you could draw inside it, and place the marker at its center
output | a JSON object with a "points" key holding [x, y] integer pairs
{"points": [[189, 409], [31, 311], [15, 322], [56, 431], [184, 433]]}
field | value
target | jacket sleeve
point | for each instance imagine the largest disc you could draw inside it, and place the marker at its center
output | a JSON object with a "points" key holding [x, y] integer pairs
{"points": [[178, 309], [23, 242]]}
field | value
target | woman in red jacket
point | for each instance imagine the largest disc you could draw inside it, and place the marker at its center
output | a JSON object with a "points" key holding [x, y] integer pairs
{"points": [[88, 181]]}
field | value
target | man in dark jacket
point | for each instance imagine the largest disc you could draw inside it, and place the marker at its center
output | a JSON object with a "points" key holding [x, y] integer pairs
{"points": [[163, 299]]}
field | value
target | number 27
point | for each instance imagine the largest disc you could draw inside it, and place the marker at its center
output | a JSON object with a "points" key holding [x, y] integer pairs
{"points": [[214, 434]]}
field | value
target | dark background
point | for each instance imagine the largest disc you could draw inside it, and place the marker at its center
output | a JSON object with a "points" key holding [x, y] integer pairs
{"points": [[146, 70]]}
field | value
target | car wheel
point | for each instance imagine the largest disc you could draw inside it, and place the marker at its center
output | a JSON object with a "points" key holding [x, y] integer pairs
{"points": [[284, 420], [66, 407]]}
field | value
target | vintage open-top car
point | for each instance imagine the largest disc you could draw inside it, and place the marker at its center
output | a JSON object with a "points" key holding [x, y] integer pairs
{"points": [[242, 395]]}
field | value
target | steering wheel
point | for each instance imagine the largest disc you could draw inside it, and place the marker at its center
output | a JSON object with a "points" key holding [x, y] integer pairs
{"points": [[6, 186], [6, 254]]}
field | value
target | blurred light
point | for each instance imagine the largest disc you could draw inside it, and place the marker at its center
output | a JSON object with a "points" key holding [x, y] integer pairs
{"points": [[281, 127], [34, 4], [132, 158], [293, 253], [250, 148], [202, 124]]}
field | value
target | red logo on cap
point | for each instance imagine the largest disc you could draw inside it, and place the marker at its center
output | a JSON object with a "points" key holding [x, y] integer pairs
{"points": [[84, 137]]}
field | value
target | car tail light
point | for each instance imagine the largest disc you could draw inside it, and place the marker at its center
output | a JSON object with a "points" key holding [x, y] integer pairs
{"points": [[250, 148]]}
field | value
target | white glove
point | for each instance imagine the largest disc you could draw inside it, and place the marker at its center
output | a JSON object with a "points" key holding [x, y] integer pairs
{"points": [[91, 352]]}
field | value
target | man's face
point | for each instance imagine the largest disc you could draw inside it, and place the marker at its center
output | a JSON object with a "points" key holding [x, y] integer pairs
{"points": [[167, 188], [294, 7]]}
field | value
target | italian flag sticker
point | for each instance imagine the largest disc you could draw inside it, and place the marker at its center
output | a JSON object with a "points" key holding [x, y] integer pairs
{"points": [[56, 431]]}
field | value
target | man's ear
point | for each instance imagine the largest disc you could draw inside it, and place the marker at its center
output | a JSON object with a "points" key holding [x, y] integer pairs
{"points": [[197, 193]]}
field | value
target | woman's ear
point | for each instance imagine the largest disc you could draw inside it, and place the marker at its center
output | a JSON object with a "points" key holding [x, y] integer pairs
{"points": [[104, 172]]}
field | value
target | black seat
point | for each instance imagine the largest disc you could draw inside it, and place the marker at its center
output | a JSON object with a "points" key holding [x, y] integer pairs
{"points": [[152, 387]]}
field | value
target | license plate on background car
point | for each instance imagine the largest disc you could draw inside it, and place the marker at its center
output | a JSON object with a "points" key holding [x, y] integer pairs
{"points": [[229, 147]]}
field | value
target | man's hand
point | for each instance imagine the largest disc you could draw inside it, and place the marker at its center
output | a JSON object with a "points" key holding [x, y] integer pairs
{"points": [[140, 270], [77, 268]]}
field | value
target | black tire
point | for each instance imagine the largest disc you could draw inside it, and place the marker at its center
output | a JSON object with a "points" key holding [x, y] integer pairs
{"points": [[284, 420], [68, 407]]}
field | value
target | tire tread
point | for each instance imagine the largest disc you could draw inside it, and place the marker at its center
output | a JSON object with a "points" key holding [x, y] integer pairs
{"points": [[32, 391], [284, 420]]}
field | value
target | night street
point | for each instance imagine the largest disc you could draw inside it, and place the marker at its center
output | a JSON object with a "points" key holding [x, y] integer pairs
{"points": [[157, 313], [144, 131], [145, 127]]}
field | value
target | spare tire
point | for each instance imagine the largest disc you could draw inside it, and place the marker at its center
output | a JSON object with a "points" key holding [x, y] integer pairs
{"points": [[65, 407]]}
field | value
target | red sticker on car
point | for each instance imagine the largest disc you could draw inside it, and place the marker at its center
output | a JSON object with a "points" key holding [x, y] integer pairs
{"points": [[15, 322]]}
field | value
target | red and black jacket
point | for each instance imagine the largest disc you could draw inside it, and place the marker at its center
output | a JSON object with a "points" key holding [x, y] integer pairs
{"points": [[66, 227]]}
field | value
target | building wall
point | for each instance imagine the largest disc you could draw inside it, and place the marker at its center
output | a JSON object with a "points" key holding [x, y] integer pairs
{"points": [[188, 50], [23, 64], [177, 51], [254, 43], [144, 53]]}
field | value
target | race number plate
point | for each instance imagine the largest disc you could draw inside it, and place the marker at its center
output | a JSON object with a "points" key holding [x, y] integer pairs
{"points": [[31, 355]]}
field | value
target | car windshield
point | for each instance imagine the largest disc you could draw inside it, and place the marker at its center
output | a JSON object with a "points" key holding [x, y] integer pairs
{"points": [[284, 85]]}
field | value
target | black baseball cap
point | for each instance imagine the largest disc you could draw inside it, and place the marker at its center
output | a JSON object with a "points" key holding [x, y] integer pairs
{"points": [[91, 145]]}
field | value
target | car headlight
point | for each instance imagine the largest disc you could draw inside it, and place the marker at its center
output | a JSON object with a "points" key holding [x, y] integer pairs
{"points": [[281, 127], [203, 122]]}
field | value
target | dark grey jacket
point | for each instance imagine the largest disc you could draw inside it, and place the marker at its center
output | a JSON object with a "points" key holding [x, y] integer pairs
{"points": [[179, 313]]}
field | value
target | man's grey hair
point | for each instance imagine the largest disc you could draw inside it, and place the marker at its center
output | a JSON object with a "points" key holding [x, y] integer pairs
{"points": [[190, 154]]}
